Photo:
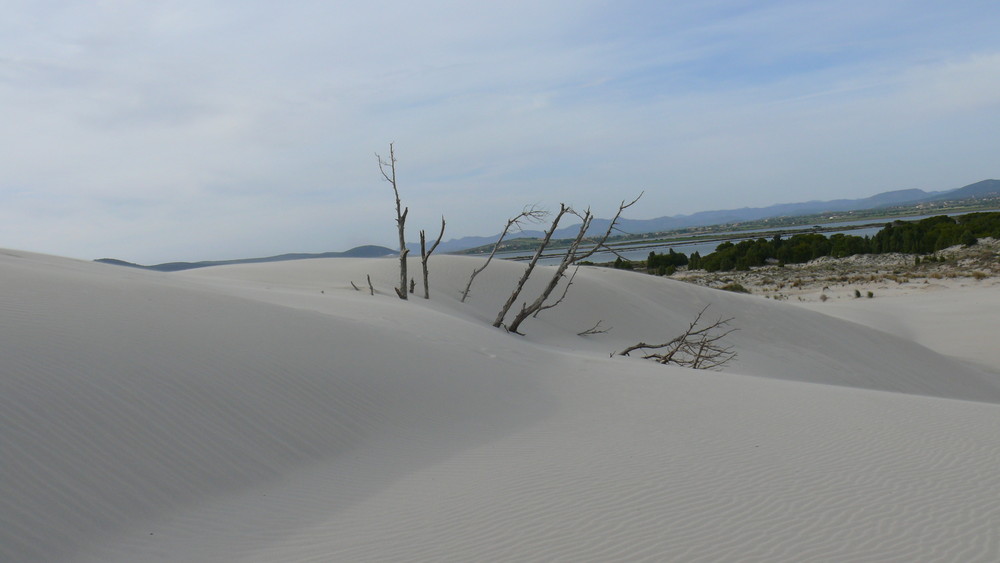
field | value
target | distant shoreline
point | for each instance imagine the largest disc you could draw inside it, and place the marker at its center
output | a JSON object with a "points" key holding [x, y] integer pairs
{"points": [[523, 249], [853, 277]]}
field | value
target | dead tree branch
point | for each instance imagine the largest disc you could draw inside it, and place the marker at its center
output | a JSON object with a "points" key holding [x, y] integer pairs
{"points": [[572, 256], [356, 288], [596, 329], [527, 214], [563, 209], [561, 297], [388, 170], [697, 348], [425, 255], [371, 288]]}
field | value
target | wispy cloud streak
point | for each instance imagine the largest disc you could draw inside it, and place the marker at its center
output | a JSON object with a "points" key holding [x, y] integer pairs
{"points": [[164, 130]]}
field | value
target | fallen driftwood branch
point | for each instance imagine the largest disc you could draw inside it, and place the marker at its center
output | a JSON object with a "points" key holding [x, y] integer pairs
{"points": [[697, 348], [596, 329]]}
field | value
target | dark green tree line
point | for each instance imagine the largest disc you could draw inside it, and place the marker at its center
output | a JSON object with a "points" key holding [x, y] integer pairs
{"points": [[915, 237]]}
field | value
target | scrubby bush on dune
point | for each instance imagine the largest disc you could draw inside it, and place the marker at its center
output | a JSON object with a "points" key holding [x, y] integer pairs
{"points": [[735, 288]]}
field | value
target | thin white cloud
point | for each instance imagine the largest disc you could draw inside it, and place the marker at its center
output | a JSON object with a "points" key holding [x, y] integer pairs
{"points": [[171, 130]]}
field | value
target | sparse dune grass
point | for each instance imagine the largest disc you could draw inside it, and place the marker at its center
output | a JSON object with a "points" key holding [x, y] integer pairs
{"points": [[907, 273]]}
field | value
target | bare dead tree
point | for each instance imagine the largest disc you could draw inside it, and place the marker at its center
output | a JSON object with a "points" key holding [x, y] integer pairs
{"points": [[561, 297], [356, 288], [388, 170], [371, 288], [425, 255], [563, 209], [697, 348], [572, 255], [527, 214], [596, 329]]}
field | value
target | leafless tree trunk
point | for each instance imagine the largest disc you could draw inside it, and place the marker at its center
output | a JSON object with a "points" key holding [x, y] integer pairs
{"points": [[425, 255], [388, 170], [371, 288], [561, 297], [529, 214], [572, 256], [697, 348], [531, 266]]}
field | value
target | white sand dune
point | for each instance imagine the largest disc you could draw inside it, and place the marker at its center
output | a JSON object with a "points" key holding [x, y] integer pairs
{"points": [[269, 412], [957, 318]]}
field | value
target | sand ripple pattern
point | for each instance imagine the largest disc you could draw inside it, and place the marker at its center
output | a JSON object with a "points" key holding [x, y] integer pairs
{"points": [[825, 475], [147, 417]]}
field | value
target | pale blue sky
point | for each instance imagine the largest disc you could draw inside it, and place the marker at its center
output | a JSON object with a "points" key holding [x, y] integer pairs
{"points": [[186, 130]]}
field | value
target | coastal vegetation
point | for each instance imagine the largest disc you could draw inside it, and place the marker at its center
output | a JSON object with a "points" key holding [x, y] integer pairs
{"points": [[783, 226], [918, 237]]}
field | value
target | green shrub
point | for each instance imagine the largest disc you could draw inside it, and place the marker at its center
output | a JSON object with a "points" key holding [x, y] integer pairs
{"points": [[912, 237], [622, 264], [735, 287]]}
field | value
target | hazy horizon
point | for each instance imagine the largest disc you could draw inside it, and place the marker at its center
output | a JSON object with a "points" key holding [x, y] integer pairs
{"points": [[161, 131]]}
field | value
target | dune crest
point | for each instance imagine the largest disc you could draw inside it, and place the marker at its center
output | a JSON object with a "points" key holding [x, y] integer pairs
{"points": [[270, 412]]}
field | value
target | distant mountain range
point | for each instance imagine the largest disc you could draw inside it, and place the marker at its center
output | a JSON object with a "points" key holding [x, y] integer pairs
{"points": [[367, 251], [984, 188]]}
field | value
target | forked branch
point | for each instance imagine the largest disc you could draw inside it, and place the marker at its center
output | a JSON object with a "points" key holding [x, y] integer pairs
{"points": [[425, 255], [599, 243], [563, 209], [572, 255], [596, 329], [697, 348], [561, 297], [388, 170], [528, 214]]}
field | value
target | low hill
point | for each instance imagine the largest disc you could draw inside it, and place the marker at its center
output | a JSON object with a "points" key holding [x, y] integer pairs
{"points": [[366, 251], [985, 188]]}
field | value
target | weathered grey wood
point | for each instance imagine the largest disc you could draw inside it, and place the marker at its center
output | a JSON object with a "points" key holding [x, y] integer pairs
{"points": [[572, 256], [528, 214], [531, 266], [388, 170], [594, 330], [425, 255], [697, 348], [561, 297]]}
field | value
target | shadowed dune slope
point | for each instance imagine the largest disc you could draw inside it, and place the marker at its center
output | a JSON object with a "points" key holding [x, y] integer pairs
{"points": [[774, 339], [270, 412]]}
